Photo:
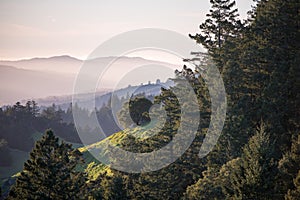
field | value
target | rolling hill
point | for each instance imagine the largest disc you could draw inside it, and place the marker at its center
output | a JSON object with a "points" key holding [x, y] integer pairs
{"points": [[39, 78]]}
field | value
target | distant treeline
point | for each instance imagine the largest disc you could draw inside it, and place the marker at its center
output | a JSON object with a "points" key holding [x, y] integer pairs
{"points": [[21, 125]]}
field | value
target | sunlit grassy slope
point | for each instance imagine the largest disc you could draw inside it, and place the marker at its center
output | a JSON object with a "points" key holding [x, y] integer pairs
{"points": [[93, 166]]}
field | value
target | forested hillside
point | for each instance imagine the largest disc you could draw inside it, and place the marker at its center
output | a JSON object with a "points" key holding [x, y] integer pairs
{"points": [[258, 153]]}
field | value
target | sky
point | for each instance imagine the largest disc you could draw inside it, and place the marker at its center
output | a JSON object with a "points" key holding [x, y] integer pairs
{"points": [[35, 28]]}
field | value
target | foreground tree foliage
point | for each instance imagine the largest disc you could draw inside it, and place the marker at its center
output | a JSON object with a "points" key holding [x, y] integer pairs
{"points": [[255, 177], [260, 73], [251, 176], [50, 172]]}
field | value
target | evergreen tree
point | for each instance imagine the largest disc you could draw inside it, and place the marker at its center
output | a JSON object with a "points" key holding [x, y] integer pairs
{"points": [[50, 172], [255, 179], [221, 25]]}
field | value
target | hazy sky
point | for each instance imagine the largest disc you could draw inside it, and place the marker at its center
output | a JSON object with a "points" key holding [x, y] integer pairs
{"points": [[35, 28]]}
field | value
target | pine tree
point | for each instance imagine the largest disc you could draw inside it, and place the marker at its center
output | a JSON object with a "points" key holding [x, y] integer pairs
{"points": [[221, 35], [255, 178], [50, 172], [221, 25]]}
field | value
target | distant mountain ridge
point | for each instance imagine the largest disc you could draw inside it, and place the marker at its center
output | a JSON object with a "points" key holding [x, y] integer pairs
{"points": [[53, 64], [70, 64], [38, 78]]}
